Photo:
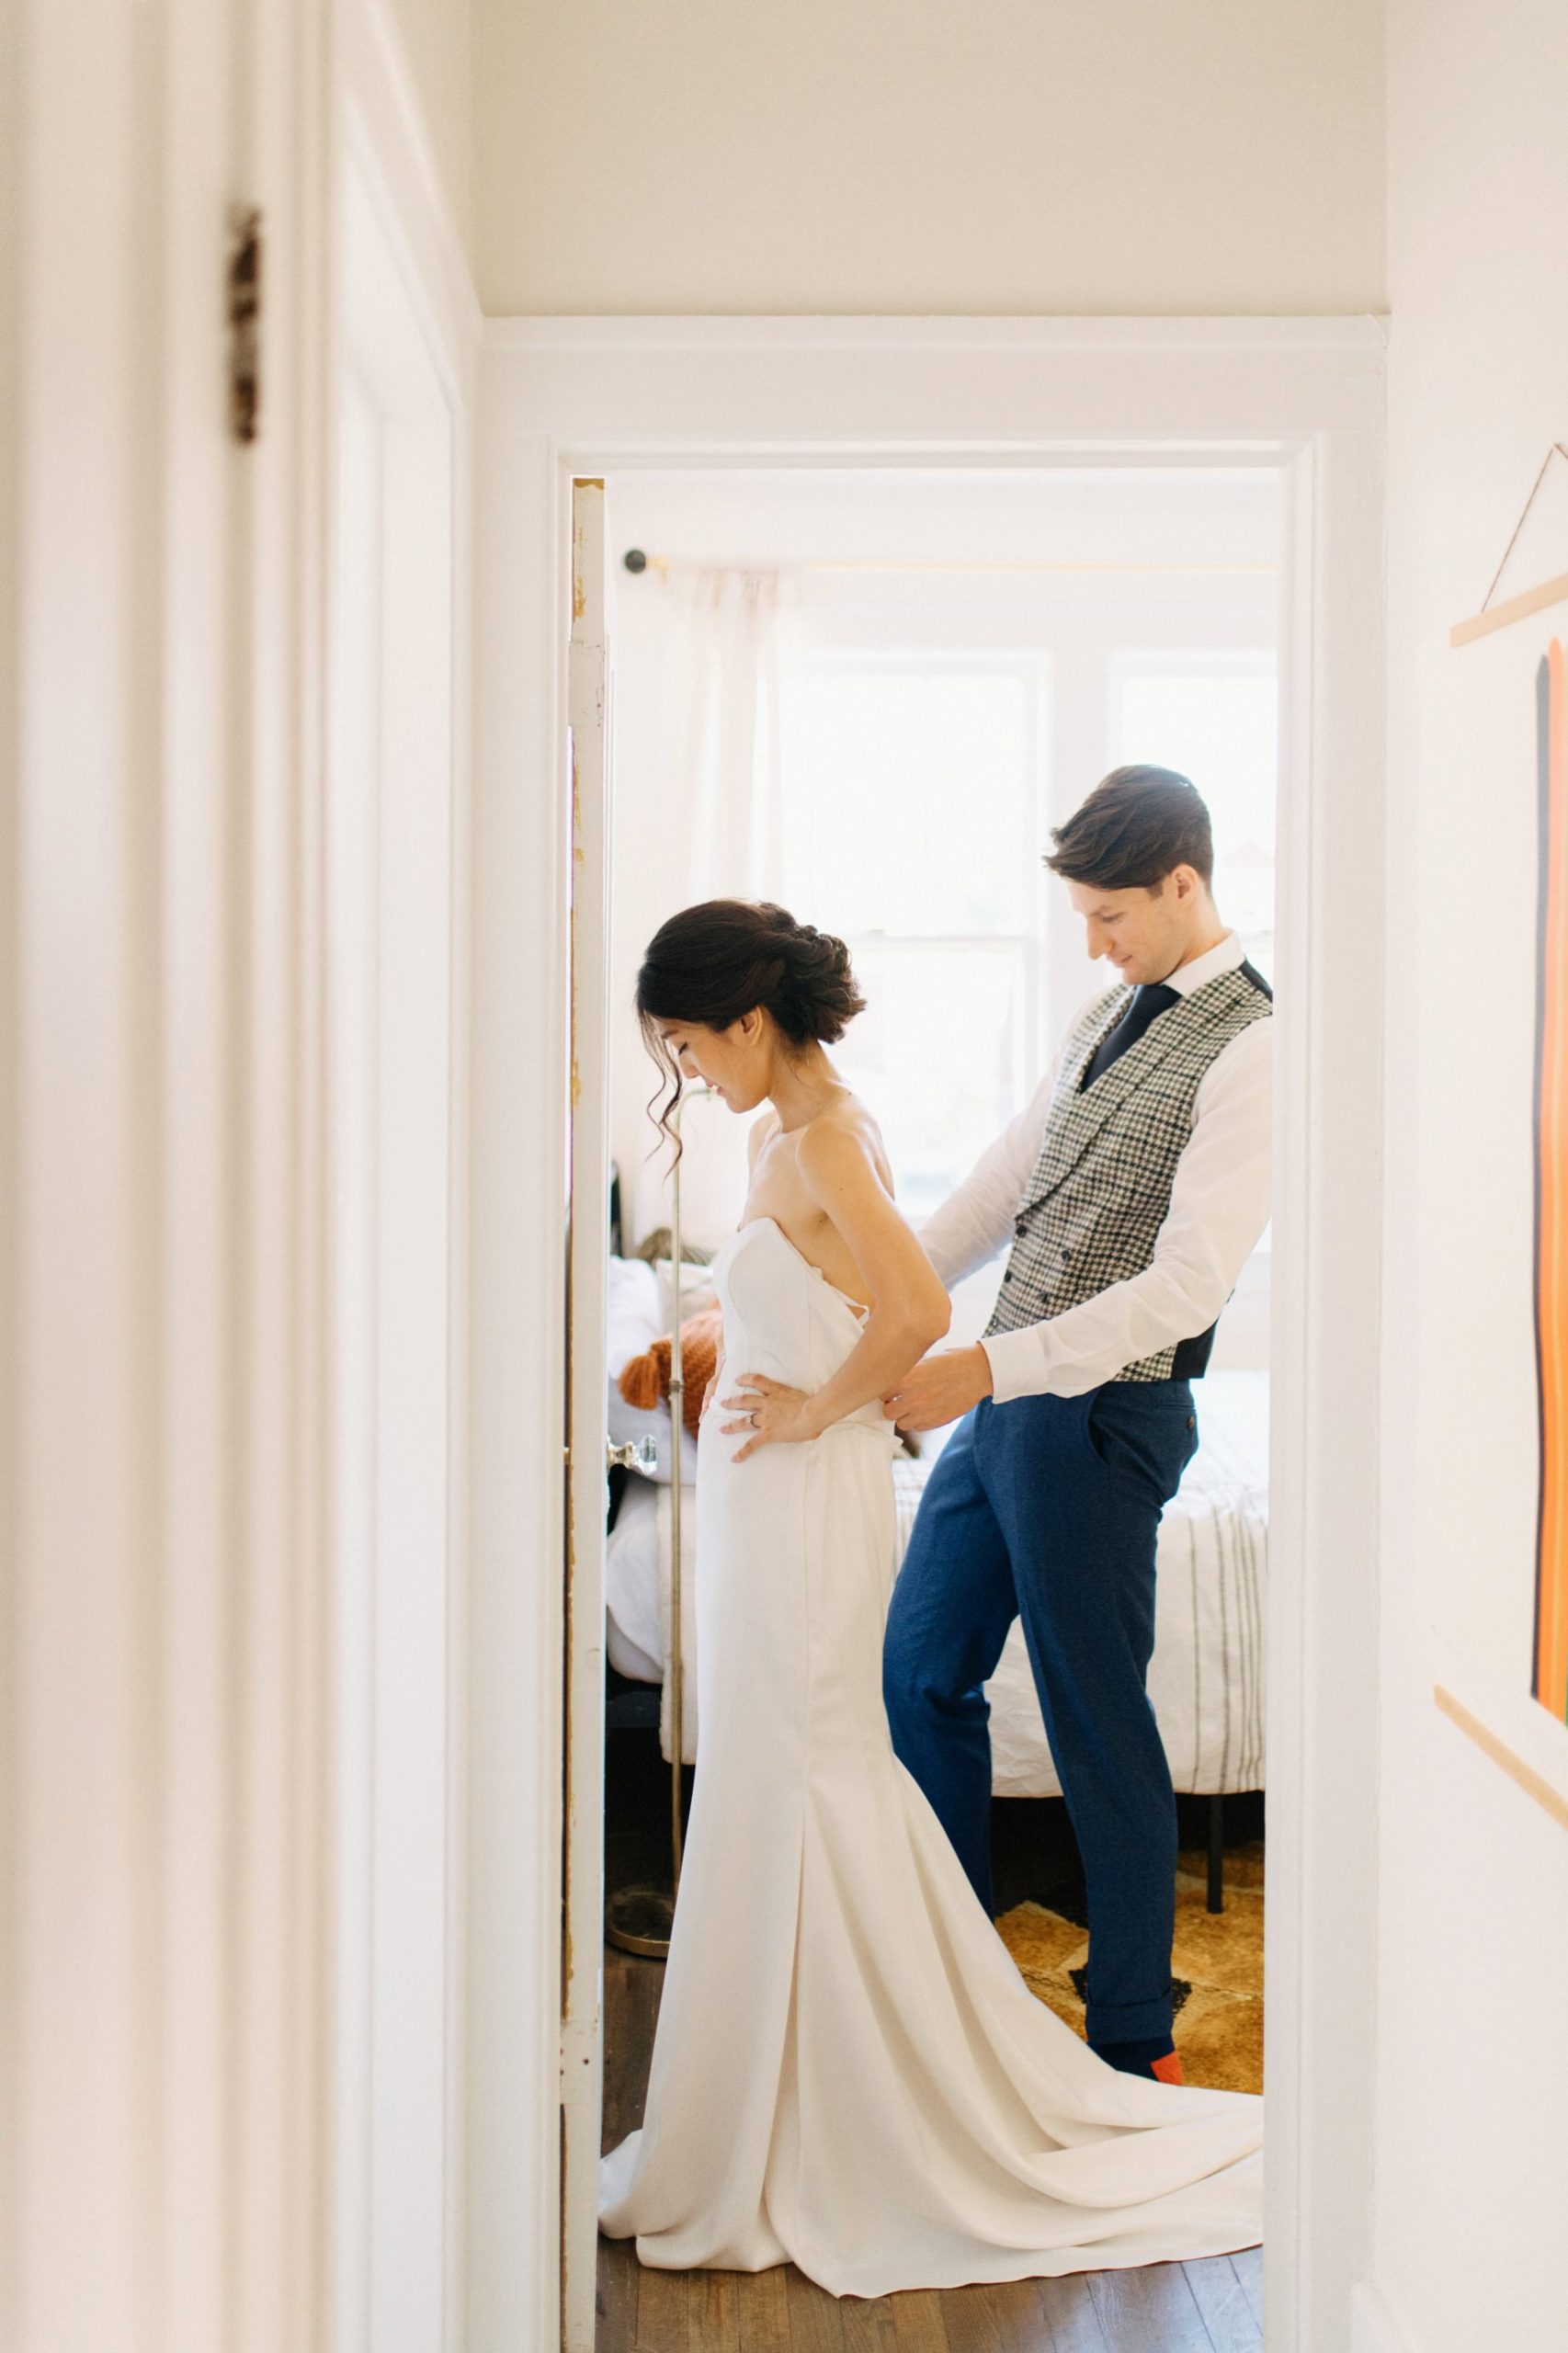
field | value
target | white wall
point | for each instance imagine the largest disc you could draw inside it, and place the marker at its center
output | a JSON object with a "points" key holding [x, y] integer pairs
{"points": [[438, 42], [1009, 156], [1472, 2094]]}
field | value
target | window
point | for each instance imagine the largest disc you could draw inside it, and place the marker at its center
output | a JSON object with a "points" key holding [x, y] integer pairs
{"points": [[914, 789], [1215, 718]]}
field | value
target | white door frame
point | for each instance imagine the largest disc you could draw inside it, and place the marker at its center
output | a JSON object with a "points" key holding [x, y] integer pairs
{"points": [[406, 332], [579, 397]]}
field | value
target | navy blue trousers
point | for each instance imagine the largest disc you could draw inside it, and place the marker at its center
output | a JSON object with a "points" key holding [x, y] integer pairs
{"points": [[1047, 1508]]}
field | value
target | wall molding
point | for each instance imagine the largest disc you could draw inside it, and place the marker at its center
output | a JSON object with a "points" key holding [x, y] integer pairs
{"points": [[408, 263], [1362, 332]]}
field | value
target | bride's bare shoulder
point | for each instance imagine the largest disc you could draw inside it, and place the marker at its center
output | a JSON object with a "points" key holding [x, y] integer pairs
{"points": [[845, 1127]]}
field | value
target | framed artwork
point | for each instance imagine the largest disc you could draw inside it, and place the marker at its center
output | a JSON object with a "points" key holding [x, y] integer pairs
{"points": [[1518, 1715], [1495, 1713]]}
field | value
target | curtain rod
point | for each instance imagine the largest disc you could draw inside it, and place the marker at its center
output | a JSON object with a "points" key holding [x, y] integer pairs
{"points": [[636, 561]]}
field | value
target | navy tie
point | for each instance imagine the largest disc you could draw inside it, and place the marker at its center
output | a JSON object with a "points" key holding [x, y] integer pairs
{"points": [[1147, 1006]]}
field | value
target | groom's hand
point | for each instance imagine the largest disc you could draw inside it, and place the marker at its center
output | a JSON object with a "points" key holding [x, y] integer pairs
{"points": [[939, 1388]]}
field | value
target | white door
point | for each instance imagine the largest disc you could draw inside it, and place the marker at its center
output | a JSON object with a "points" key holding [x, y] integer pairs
{"points": [[390, 831], [582, 1971]]}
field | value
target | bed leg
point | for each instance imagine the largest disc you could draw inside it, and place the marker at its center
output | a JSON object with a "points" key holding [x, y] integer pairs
{"points": [[1216, 1852]]}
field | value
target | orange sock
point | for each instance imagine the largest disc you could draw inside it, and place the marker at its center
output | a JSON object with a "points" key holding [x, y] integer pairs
{"points": [[1168, 2069]]}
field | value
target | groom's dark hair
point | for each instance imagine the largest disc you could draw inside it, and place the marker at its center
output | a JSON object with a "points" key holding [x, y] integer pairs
{"points": [[1138, 826]]}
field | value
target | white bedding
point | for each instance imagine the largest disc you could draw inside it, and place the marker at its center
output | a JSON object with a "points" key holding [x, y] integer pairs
{"points": [[1206, 1677]]}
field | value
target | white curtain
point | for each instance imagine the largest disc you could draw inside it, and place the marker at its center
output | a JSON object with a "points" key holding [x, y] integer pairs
{"points": [[733, 645]]}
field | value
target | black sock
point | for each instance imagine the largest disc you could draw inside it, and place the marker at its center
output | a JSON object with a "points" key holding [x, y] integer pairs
{"points": [[1135, 2058]]}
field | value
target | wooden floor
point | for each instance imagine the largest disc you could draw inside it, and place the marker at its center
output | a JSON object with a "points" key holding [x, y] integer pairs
{"points": [[1211, 2307]]}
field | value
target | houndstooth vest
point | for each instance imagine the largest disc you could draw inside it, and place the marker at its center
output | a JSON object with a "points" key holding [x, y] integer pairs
{"points": [[1102, 1184]]}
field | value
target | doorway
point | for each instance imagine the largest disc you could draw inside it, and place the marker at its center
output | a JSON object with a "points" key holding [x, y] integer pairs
{"points": [[869, 697], [1300, 399]]}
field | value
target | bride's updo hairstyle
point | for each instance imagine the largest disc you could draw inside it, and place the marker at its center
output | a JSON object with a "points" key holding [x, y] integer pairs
{"points": [[711, 963]]}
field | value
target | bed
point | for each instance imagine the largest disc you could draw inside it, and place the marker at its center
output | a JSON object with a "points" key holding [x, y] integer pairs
{"points": [[1206, 1679]]}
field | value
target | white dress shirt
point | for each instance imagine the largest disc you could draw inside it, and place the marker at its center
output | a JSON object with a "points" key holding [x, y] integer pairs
{"points": [[1218, 1207]]}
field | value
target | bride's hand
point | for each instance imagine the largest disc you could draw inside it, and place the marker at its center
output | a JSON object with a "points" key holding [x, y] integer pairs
{"points": [[773, 1414]]}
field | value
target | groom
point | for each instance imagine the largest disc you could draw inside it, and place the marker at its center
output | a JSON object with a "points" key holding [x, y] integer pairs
{"points": [[1132, 1189]]}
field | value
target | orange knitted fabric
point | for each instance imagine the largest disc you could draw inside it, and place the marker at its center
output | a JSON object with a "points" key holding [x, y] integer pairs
{"points": [[646, 1379]]}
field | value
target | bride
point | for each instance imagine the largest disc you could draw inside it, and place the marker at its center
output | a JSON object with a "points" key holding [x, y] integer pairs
{"points": [[849, 2072]]}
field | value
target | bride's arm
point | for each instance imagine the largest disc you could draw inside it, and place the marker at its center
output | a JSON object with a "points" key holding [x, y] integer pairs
{"points": [[909, 1309]]}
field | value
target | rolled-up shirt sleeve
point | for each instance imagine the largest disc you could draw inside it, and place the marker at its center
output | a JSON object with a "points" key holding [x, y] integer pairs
{"points": [[1218, 1207]]}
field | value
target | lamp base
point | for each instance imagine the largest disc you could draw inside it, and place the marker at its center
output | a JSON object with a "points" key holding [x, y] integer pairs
{"points": [[639, 1919]]}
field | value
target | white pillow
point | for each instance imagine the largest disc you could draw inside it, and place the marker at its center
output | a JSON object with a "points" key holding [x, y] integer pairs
{"points": [[632, 1319], [698, 1293]]}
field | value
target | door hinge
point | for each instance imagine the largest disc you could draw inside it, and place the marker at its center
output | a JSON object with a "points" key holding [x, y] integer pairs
{"points": [[245, 321]]}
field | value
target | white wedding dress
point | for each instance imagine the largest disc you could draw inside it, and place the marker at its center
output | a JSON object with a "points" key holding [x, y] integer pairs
{"points": [[849, 2074]]}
